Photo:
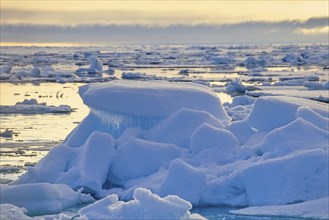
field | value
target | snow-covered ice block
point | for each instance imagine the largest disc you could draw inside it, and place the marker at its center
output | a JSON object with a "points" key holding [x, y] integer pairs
{"points": [[228, 189], [95, 63], [242, 100], [90, 168], [42, 198], [315, 118], [207, 136], [221, 60], [293, 58], [252, 61], [137, 158], [50, 167], [95, 68], [290, 179], [178, 127], [152, 99], [183, 180], [293, 137], [317, 85], [314, 209], [241, 129], [275, 111], [145, 205]]}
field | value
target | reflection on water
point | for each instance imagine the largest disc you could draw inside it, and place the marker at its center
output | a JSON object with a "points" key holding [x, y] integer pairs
{"points": [[41, 127], [35, 134]]}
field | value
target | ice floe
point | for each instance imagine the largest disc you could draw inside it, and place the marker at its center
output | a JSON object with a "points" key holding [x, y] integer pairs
{"points": [[42, 198], [145, 205], [314, 209], [31, 106]]}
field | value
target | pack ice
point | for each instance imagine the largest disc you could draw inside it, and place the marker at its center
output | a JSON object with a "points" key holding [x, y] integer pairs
{"points": [[143, 138]]}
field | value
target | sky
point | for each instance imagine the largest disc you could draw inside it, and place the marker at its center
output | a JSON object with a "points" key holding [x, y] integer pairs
{"points": [[163, 22]]}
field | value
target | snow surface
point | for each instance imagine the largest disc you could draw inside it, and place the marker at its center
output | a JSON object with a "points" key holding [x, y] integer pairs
{"points": [[315, 209], [176, 139]]}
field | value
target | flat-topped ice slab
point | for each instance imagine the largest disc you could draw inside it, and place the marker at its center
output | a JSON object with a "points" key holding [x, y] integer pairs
{"points": [[153, 99]]}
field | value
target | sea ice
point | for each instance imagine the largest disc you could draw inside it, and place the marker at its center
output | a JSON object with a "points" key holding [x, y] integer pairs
{"points": [[89, 170], [94, 70], [182, 124], [293, 137], [207, 136], [273, 112], [157, 99], [176, 139], [145, 205], [31, 106], [289, 179], [149, 156], [42, 198], [314, 209], [7, 133]]}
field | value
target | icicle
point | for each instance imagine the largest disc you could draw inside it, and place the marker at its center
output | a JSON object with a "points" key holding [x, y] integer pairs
{"points": [[115, 123]]}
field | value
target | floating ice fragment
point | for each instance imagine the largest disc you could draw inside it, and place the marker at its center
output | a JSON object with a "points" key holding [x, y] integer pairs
{"points": [[145, 205], [42, 198]]}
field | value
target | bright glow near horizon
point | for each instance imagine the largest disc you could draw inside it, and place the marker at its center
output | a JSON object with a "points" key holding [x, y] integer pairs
{"points": [[157, 13]]}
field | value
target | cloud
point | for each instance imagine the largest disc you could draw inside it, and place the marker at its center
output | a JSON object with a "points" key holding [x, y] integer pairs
{"points": [[260, 32], [103, 17], [313, 31]]}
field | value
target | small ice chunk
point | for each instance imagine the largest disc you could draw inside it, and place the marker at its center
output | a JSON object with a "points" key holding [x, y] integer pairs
{"points": [[312, 116], [91, 165], [313, 209], [207, 136], [42, 198], [178, 127], [184, 72], [289, 179], [7, 133], [36, 72], [95, 63], [5, 69], [137, 158], [21, 74], [236, 86], [317, 85], [184, 181], [221, 60], [273, 112], [293, 137], [110, 71], [145, 205]]}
